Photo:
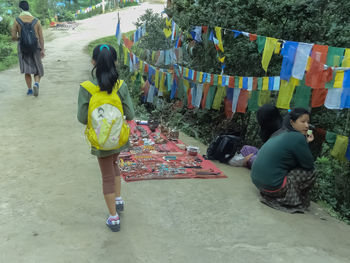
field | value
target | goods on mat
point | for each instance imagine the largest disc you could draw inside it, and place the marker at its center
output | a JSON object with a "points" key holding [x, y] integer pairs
{"points": [[192, 150], [154, 156]]}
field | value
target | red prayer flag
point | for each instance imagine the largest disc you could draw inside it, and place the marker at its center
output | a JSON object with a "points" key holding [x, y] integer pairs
{"points": [[242, 101], [253, 37], [211, 79], [127, 42], [195, 76], [206, 87], [146, 88], [189, 99], [228, 108], [315, 75], [231, 83], [318, 97], [255, 83], [205, 29]]}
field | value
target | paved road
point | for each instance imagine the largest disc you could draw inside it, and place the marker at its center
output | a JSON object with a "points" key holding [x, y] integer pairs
{"points": [[51, 205]]}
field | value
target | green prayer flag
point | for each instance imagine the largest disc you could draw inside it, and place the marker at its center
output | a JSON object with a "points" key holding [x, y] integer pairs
{"points": [[331, 137], [169, 77], [260, 83], [261, 43], [181, 94], [335, 56], [264, 97], [236, 82], [216, 77], [253, 101], [210, 97], [302, 97]]}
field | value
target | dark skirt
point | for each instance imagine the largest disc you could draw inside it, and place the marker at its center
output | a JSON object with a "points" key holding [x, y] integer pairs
{"points": [[30, 64], [293, 196]]}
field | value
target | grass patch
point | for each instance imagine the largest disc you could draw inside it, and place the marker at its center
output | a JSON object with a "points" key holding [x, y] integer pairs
{"points": [[8, 54], [111, 40]]}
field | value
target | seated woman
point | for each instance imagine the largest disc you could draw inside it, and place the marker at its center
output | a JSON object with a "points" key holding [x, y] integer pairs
{"points": [[270, 122], [283, 170]]}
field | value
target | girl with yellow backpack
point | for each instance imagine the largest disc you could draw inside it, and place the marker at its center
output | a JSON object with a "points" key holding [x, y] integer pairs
{"points": [[104, 106]]}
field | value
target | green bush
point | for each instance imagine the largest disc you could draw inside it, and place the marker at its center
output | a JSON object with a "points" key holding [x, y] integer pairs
{"points": [[5, 26], [65, 15], [8, 54]]}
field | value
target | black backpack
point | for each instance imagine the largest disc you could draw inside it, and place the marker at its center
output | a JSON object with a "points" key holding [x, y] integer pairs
{"points": [[28, 41], [223, 148]]}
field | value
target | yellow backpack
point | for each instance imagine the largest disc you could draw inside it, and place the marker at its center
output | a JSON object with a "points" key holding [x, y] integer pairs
{"points": [[106, 128]]}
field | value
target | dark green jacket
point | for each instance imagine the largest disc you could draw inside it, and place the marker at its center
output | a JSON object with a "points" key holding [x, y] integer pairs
{"points": [[83, 107], [278, 156]]}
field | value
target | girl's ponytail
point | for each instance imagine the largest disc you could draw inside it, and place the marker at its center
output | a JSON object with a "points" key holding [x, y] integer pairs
{"points": [[107, 75]]}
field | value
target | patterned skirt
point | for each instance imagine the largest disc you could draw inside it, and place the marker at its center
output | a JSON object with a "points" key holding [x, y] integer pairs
{"points": [[30, 64], [293, 196]]}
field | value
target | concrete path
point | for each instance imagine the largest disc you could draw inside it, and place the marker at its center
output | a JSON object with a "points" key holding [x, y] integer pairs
{"points": [[51, 205]]}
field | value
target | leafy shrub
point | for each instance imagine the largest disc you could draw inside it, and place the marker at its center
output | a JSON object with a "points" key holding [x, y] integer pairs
{"points": [[65, 15], [8, 55], [5, 28]]}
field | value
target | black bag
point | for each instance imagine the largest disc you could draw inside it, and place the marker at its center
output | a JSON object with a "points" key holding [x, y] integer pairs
{"points": [[223, 148], [28, 41]]}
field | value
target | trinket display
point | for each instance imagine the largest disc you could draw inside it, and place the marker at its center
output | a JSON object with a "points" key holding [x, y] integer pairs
{"points": [[155, 155]]}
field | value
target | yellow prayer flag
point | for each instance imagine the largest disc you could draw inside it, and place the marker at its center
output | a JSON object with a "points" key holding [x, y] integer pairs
{"points": [[340, 147], [309, 60], [219, 97], [264, 97], [285, 94], [270, 45], [153, 56], [293, 81], [141, 65], [265, 83], [186, 84], [125, 50], [168, 22], [339, 78], [187, 71], [278, 48], [221, 59], [167, 32], [240, 82], [162, 83], [218, 36], [200, 80], [220, 80], [336, 60], [157, 79], [346, 60]]}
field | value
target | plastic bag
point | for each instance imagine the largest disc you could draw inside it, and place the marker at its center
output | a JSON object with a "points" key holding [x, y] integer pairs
{"points": [[237, 160]]}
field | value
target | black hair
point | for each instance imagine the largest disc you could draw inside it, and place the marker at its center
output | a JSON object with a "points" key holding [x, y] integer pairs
{"points": [[297, 113], [107, 75], [24, 5], [269, 120], [293, 116]]}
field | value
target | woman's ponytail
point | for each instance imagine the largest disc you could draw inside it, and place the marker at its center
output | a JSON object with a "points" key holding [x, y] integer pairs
{"points": [[107, 75]]}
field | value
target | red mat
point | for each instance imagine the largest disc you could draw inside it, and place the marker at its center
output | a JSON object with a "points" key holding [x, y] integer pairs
{"points": [[148, 162]]}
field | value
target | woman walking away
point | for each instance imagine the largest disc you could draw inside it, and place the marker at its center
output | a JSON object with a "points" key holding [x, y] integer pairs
{"points": [[103, 107], [284, 167], [27, 31]]}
